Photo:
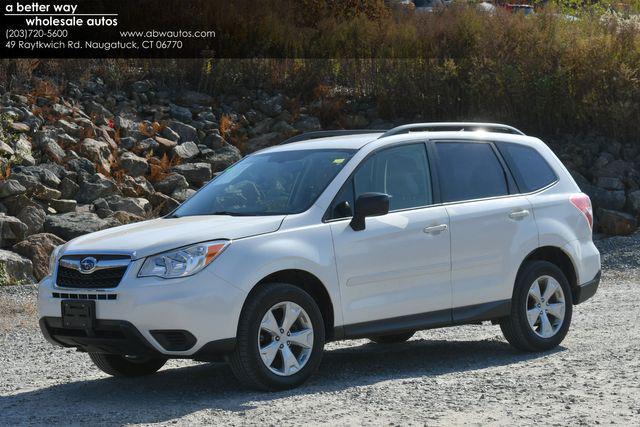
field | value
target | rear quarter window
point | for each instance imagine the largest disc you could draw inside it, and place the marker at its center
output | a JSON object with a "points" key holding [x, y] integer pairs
{"points": [[531, 171]]}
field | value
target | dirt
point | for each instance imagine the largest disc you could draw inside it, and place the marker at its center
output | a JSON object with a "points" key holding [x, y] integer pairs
{"points": [[464, 375]]}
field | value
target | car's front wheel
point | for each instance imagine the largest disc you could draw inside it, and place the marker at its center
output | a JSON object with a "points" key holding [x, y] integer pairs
{"points": [[280, 338], [125, 366], [541, 308]]}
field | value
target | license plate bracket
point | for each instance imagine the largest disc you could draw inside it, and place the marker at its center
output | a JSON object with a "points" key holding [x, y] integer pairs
{"points": [[78, 314]]}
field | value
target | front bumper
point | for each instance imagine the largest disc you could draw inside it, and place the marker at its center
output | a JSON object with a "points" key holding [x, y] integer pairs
{"points": [[586, 290], [143, 315], [121, 337]]}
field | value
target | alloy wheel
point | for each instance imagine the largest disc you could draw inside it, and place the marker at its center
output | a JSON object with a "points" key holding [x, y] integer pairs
{"points": [[545, 306], [285, 338]]}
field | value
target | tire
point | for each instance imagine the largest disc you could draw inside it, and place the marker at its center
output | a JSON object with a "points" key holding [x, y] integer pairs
{"points": [[120, 366], [246, 361], [392, 338], [517, 329]]}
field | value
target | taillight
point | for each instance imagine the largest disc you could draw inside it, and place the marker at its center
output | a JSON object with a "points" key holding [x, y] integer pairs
{"points": [[583, 203]]}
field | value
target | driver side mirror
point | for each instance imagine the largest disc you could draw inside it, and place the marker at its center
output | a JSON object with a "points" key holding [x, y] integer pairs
{"points": [[369, 204]]}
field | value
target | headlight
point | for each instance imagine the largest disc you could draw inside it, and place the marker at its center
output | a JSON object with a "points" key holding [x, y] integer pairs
{"points": [[53, 258], [182, 262]]}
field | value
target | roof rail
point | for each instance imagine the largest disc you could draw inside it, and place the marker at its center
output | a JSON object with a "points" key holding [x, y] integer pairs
{"points": [[327, 134], [454, 126]]}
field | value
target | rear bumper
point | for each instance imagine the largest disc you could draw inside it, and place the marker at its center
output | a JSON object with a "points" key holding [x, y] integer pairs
{"points": [[586, 290], [121, 337]]}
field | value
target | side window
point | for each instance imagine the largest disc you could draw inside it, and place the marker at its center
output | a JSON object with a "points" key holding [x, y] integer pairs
{"points": [[401, 172], [530, 169], [468, 171]]}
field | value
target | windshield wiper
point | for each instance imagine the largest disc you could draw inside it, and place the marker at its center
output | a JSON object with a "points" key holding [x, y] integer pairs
{"points": [[232, 213]]}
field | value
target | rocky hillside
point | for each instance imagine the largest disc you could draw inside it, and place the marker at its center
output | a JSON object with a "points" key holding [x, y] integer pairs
{"points": [[86, 157]]}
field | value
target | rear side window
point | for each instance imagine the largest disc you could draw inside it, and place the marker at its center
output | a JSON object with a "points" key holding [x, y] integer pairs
{"points": [[530, 170], [469, 171]]}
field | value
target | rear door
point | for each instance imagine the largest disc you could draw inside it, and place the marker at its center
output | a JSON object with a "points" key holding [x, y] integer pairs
{"points": [[399, 264], [492, 226]]}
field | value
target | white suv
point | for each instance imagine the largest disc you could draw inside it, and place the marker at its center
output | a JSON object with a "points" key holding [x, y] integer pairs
{"points": [[334, 235]]}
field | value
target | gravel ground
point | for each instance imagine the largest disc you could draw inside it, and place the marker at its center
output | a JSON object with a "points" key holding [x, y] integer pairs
{"points": [[464, 375]]}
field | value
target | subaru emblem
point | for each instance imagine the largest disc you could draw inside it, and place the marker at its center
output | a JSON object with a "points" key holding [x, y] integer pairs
{"points": [[88, 264]]}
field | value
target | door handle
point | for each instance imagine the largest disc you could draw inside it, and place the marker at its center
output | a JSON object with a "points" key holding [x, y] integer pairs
{"points": [[519, 214], [435, 229]]}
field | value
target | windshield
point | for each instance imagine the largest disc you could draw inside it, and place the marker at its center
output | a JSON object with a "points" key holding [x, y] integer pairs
{"points": [[284, 182]]}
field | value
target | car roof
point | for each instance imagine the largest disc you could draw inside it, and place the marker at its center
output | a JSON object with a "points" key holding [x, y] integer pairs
{"points": [[356, 142]]}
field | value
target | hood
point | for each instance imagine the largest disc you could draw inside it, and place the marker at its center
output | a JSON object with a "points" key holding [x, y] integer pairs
{"points": [[159, 235]]}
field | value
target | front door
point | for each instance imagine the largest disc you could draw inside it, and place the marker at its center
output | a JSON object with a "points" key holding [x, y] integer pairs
{"points": [[399, 265]]}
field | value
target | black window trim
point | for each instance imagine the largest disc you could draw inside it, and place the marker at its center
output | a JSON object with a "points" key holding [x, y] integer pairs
{"points": [[435, 189]]}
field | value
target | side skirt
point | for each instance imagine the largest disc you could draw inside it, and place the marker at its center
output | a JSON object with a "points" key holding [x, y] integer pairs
{"points": [[430, 320]]}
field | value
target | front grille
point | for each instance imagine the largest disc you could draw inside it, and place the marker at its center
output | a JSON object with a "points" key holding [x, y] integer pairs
{"points": [[102, 297], [109, 273]]}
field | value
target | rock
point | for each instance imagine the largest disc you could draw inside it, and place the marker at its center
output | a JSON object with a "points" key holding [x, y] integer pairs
{"points": [[283, 127], [43, 192], [195, 173], [73, 224], [70, 128], [146, 146], [11, 187], [171, 183], [190, 97], [163, 204], [616, 223], [134, 205], [54, 152], [33, 217], [98, 151], [271, 106], [12, 230], [97, 186], [68, 189], [222, 158], [135, 165], [81, 165], [92, 107], [63, 206], [607, 199], [141, 86], [170, 134], [38, 248], [19, 127], [214, 140], [186, 150], [610, 183], [185, 132], [22, 149], [5, 150], [263, 141], [26, 180], [180, 113], [165, 144], [634, 201], [308, 124], [126, 217], [15, 269], [182, 194]]}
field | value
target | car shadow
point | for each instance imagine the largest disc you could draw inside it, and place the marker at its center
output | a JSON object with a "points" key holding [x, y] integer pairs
{"points": [[173, 393]]}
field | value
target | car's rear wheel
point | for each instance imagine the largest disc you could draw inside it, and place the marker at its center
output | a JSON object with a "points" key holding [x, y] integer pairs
{"points": [[126, 366], [392, 338], [541, 308], [280, 338]]}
